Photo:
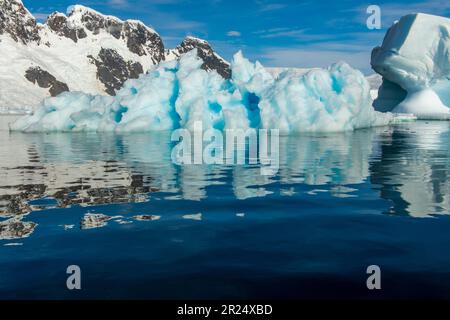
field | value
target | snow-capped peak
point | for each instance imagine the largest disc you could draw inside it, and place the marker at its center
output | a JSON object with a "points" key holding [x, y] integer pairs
{"points": [[78, 8], [17, 21], [80, 15], [80, 50], [16, 5], [195, 39]]}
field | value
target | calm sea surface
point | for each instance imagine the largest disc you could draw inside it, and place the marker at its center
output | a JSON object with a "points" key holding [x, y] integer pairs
{"points": [[140, 226]]}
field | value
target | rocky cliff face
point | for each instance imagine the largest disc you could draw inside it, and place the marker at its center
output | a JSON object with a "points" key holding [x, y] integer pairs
{"points": [[45, 80], [113, 70], [59, 24], [139, 39], [17, 22], [82, 50]]}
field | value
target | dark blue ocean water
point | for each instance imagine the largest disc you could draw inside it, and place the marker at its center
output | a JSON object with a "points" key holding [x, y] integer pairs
{"points": [[339, 203]]}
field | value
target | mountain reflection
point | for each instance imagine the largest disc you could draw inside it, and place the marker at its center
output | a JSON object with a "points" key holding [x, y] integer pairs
{"points": [[407, 164]]}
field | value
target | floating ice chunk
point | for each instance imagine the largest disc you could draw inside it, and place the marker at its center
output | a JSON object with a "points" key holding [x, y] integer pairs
{"points": [[13, 244], [178, 94], [121, 221], [146, 217], [196, 217]]}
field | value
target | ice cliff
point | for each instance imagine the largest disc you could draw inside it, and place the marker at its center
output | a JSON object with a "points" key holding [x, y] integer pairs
{"points": [[178, 93], [414, 61]]}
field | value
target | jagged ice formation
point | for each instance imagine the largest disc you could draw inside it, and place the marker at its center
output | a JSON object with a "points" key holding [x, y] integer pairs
{"points": [[176, 94]]}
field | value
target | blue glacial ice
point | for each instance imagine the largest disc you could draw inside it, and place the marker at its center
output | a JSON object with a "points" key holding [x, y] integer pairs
{"points": [[177, 94]]}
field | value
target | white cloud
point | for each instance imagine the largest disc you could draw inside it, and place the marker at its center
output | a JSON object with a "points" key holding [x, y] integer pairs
{"points": [[264, 6], [233, 33], [118, 3], [309, 49], [272, 7], [289, 33], [182, 25]]}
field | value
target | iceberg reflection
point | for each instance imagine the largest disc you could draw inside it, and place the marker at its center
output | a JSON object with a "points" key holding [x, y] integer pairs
{"points": [[407, 164], [414, 169]]}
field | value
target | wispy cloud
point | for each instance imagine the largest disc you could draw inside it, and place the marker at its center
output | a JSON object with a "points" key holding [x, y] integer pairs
{"points": [[282, 33], [265, 6], [177, 23], [163, 18], [233, 33], [431, 6], [272, 7], [391, 12], [297, 34], [354, 48], [118, 4]]}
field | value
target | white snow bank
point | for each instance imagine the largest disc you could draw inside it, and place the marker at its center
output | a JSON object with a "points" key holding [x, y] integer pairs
{"points": [[425, 104], [415, 56], [178, 93]]}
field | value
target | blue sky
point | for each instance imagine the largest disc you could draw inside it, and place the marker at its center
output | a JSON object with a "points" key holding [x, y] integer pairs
{"points": [[283, 33]]}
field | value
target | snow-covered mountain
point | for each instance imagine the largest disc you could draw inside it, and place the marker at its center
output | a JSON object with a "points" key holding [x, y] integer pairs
{"points": [[81, 51]]}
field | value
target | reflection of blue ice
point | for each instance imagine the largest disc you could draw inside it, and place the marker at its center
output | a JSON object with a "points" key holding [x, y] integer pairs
{"points": [[407, 164], [414, 169], [314, 160]]}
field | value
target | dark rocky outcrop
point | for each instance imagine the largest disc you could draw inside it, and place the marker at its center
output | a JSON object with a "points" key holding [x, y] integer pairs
{"points": [[211, 60], [113, 70], [45, 80], [96, 22], [58, 23], [140, 40], [16, 21]]}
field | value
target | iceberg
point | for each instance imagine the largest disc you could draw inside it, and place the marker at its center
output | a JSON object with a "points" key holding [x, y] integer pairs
{"points": [[177, 94], [414, 60]]}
